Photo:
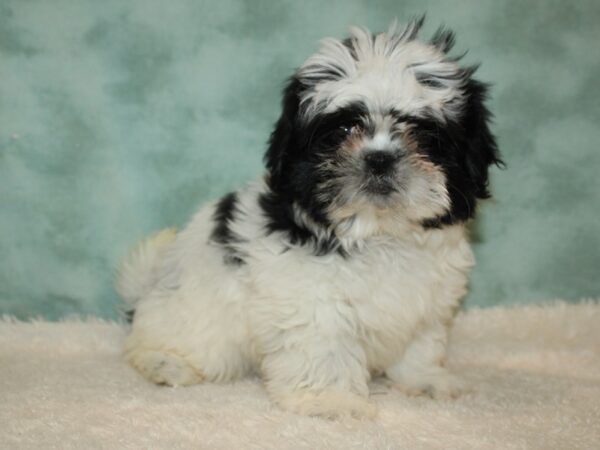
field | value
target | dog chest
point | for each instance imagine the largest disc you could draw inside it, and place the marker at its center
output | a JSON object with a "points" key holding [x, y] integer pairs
{"points": [[388, 282]]}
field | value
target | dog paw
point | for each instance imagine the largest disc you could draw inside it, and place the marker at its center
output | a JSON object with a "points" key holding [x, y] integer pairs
{"points": [[442, 386], [327, 404], [163, 367]]}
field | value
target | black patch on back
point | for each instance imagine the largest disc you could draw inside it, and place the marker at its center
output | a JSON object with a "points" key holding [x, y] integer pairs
{"points": [[280, 218], [223, 214], [222, 234]]}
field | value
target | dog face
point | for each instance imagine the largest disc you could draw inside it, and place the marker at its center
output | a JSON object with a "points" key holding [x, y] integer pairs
{"points": [[379, 130]]}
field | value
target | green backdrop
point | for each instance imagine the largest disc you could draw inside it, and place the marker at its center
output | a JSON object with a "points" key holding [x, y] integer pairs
{"points": [[118, 118]]}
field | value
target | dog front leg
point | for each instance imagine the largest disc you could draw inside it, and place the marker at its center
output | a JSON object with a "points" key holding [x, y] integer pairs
{"points": [[316, 366], [422, 371]]}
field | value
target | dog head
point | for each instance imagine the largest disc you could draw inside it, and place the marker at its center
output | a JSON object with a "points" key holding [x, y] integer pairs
{"points": [[379, 131]]}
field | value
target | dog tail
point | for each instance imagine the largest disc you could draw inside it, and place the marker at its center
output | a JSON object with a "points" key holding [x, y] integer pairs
{"points": [[137, 274]]}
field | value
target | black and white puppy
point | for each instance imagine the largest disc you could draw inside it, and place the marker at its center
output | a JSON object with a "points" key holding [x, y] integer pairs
{"points": [[349, 257]]}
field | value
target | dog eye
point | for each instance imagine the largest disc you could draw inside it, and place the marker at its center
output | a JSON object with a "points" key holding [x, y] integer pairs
{"points": [[348, 128]]}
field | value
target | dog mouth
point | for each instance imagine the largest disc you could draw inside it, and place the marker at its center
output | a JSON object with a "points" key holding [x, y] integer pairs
{"points": [[380, 186]]}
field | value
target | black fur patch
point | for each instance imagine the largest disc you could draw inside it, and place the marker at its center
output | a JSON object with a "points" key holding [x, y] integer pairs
{"points": [[293, 176], [464, 150], [222, 234], [280, 218], [324, 132], [294, 160]]}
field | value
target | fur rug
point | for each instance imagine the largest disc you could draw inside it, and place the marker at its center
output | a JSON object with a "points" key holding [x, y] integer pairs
{"points": [[535, 371]]}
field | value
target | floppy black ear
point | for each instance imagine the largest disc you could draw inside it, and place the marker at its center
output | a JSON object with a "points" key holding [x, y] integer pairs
{"points": [[481, 150], [282, 137]]}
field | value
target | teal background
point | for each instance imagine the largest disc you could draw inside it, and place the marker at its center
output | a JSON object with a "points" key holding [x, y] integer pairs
{"points": [[118, 118]]}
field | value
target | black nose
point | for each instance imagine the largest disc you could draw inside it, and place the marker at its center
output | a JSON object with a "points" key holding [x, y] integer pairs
{"points": [[380, 162]]}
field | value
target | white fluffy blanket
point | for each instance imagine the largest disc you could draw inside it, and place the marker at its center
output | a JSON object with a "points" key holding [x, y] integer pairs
{"points": [[535, 370]]}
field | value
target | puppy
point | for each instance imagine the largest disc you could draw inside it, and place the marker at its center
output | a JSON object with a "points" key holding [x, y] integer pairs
{"points": [[349, 257]]}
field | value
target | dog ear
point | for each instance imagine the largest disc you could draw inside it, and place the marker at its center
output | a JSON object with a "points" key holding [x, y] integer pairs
{"points": [[282, 137], [481, 149]]}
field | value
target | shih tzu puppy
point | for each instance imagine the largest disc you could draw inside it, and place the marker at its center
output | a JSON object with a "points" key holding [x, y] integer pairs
{"points": [[349, 257]]}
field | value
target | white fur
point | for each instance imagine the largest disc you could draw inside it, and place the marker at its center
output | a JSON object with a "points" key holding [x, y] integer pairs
{"points": [[137, 272], [315, 327], [384, 76]]}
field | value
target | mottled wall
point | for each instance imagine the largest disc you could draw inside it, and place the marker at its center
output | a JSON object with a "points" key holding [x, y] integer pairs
{"points": [[120, 117]]}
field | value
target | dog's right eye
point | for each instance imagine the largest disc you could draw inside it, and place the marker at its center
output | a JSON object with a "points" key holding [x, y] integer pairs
{"points": [[348, 129], [345, 129]]}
